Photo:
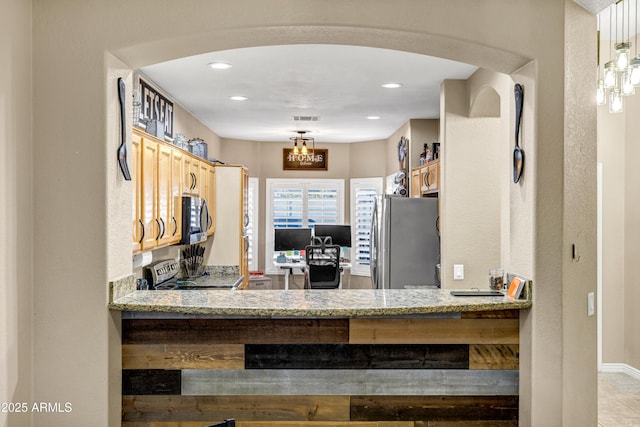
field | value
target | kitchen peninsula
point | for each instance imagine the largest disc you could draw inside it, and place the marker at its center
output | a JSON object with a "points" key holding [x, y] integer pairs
{"points": [[318, 357]]}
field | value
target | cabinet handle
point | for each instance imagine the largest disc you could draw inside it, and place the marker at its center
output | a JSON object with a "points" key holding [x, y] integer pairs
{"points": [[141, 225], [425, 179], [194, 181], [159, 230], [175, 225], [163, 228]]}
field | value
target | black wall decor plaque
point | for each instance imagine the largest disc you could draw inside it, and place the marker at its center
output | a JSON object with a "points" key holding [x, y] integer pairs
{"points": [[155, 106], [313, 161]]}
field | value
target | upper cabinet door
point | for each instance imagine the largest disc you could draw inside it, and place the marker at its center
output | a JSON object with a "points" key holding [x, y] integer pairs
{"points": [[210, 195], [152, 227], [165, 193], [177, 174], [137, 225], [191, 174]]}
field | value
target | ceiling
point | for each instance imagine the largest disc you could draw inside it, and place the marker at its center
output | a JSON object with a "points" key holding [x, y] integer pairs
{"points": [[340, 85]]}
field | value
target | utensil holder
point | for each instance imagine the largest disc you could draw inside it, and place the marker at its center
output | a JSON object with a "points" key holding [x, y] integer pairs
{"points": [[191, 267]]}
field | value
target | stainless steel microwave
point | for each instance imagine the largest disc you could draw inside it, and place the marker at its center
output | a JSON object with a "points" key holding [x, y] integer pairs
{"points": [[195, 220]]}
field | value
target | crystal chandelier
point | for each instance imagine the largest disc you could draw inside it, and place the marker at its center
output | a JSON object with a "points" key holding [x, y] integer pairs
{"points": [[621, 74]]}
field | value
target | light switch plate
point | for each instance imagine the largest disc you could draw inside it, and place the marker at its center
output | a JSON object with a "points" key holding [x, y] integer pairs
{"points": [[458, 271], [591, 304]]}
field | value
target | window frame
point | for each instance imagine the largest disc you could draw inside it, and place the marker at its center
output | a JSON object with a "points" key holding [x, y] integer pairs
{"points": [[305, 184], [376, 183], [254, 215]]}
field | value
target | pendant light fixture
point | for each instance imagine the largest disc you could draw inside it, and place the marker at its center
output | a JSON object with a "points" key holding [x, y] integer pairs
{"points": [[303, 140], [621, 74]]}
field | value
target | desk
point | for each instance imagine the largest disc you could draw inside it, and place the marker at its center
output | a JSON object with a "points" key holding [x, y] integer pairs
{"points": [[289, 265]]}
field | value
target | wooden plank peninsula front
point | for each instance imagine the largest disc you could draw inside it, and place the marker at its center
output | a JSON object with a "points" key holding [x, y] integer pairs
{"points": [[400, 358]]}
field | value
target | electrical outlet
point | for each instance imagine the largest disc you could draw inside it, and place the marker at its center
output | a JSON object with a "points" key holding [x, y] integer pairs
{"points": [[591, 304], [458, 271]]}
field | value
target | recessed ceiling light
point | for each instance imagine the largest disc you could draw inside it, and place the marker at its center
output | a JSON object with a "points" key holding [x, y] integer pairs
{"points": [[238, 98], [220, 65], [391, 85], [373, 117]]}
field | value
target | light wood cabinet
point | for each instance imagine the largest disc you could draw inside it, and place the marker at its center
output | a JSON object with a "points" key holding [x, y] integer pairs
{"points": [[230, 246], [175, 228], [169, 198], [191, 175], [425, 179], [207, 186], [149, 185], [415, 182], [162, 173], [432, 178], [136, 181]]}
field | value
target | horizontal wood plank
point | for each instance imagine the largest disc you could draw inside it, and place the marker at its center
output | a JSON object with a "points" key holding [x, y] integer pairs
{"points": [[434, 408], [183, 356], [281, 424], [483, 423], [492, 314], [494, 356], [349, 382], [151, 381], [357, 356], [143, 356], [247, 408], [434, 331], [234, 331]]}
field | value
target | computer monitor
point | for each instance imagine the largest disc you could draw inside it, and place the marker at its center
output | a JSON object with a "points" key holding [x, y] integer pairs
{"points": [[291, 239], [340, 234]]}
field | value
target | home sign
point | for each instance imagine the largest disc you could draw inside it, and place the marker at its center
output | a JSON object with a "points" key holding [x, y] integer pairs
{"points": [[315, 160]]}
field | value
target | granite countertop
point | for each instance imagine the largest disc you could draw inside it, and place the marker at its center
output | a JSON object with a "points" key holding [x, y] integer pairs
{"points": [[222, 281], [309, 303]]}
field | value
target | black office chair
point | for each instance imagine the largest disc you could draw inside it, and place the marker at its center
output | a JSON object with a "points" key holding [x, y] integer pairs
{"points": [[226, 423], [323, 264]]}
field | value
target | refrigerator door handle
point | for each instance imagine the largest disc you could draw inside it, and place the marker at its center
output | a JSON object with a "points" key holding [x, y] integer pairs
{"points": [[373, 247]]}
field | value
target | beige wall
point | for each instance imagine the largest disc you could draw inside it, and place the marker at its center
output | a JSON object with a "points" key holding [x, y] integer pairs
{"points": [[471, 189], [368, 159], [423, 131], [393, 165], [617, 151], [579, 223], [16, 209], [73, 86], [632, 235]]}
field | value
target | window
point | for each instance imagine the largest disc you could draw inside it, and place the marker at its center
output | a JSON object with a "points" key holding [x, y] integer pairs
{"points": [[252, 227], [363, 196], [300, 203]]}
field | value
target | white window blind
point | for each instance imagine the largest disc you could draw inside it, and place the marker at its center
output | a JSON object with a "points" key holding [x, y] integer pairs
{"points": [[300, 203], [288, 207], [252, 227], [363, 194]]}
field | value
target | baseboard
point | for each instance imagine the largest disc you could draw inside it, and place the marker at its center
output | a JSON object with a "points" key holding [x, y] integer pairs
{"points": [[621, 368]]}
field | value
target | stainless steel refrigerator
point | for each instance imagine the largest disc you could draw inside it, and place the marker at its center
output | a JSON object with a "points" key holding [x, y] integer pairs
{"points": [[405, 242]]}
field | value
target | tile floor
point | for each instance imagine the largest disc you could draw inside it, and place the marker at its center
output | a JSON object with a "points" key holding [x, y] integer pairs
{"points": [[618, 400]]}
